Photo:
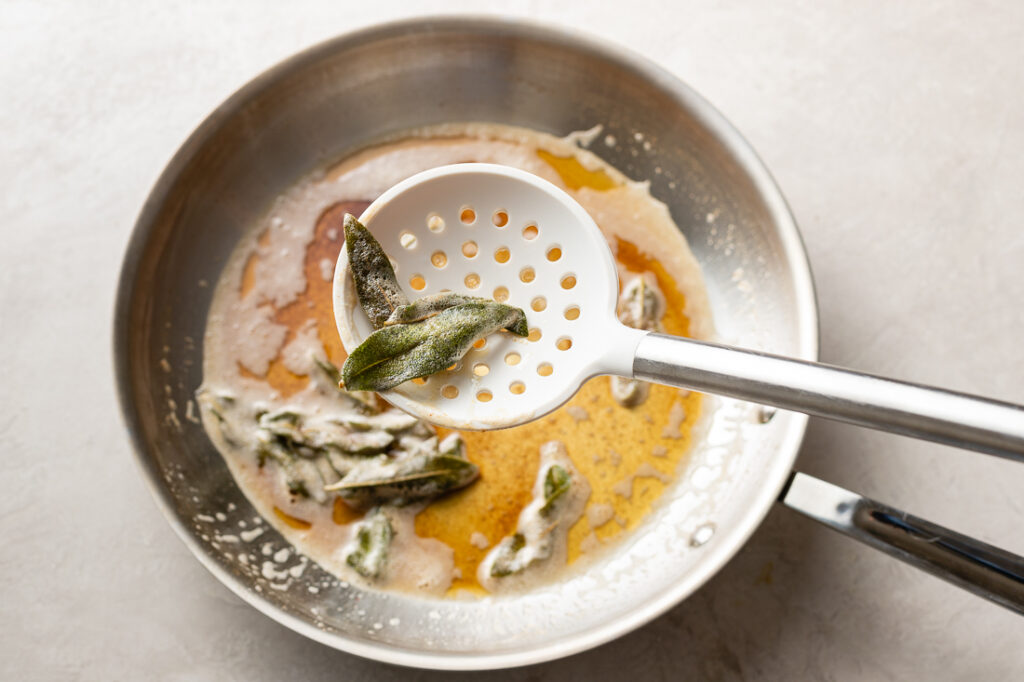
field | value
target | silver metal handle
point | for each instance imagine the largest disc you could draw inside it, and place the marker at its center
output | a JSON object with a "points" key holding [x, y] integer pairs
{"points": [[987, 571], [923, 412]]}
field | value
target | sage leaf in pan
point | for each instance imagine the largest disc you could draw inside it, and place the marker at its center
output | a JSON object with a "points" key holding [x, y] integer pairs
{"points": [[376, 285], [330, 379], [397, 353], [407, 480], [534, 542], [329, 434], [392, 421], [506, 562], [308, 436], [373, 539]]}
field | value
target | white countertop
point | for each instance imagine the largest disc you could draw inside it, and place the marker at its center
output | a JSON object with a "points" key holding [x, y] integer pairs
{"points": [[894, 129]]}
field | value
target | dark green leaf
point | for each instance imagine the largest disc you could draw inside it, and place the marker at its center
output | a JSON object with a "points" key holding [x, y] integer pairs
{"points": [[298, 487], [506, 562], [285, 434], [373, 538], [406, 480], [219, 405], [556, 484], [325, 434], [376, 285], [392, 421], [394, 354], [282, 423], [428, 306]]}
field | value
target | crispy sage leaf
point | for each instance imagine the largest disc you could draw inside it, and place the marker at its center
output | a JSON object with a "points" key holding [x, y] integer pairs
{"points": [[507, 560], [428, 306], [298, 463], [219, 406], [556, 485], [324, 433], [373, 538], [401, 481], [328, 474], [376, 285], [308, 436], [341, 463], [365, 401], [394, 354]]}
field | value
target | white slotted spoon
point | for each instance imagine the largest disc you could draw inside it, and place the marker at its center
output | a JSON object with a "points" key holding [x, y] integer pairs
{"points": [[499, 232]]}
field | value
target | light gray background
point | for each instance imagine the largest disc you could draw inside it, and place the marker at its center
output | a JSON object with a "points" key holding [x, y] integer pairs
{"points": [[896, 131]]}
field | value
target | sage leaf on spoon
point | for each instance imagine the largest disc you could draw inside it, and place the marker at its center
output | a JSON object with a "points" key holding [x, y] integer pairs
{"points": [[376, 284], [397, 353], [415, 339]]}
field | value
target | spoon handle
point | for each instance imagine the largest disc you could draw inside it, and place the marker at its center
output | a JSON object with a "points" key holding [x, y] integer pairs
{"points": [[934, 414], [985, 570]]}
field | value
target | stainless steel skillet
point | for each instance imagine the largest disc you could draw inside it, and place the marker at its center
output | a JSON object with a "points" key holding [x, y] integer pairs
{"points": [[351, 91]]}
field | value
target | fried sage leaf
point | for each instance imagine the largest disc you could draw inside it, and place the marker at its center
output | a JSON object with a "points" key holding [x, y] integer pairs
{"points": [[404, 480], [324, 433], [507, 560], [219, 406], [559, 496], [376, 285], [556, 484], [401, 352], [369, 553], [330, 378], [308, 436], [301, 475], [509, 557], [428, 306]]}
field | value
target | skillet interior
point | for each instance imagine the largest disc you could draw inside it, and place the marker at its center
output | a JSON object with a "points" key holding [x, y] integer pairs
{"points": [[344, 94]]}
